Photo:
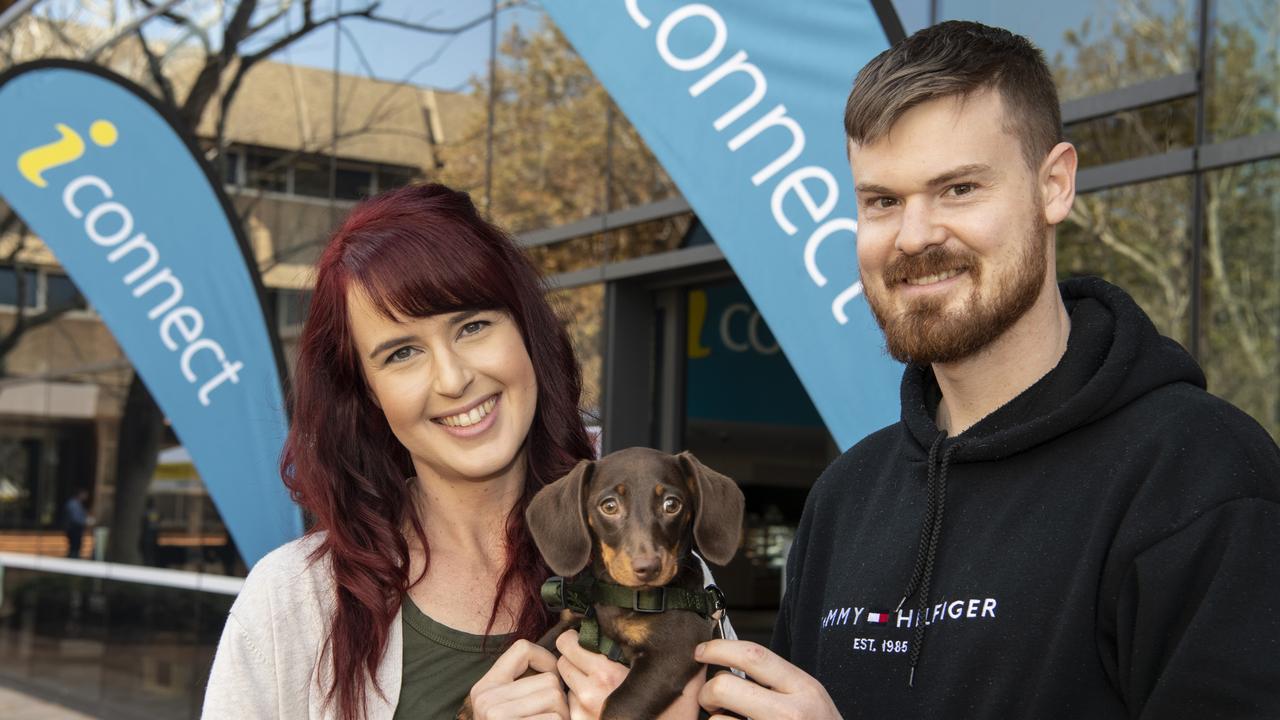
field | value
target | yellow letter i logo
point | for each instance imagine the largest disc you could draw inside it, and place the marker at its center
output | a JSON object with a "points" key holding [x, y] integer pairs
{"points": [[69, 148]]}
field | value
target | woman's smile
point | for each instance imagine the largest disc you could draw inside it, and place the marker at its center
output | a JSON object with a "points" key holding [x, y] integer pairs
{"points": [[472, 420]]}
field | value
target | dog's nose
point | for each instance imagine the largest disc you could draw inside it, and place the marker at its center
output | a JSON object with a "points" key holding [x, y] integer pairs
{"points": [[646, 568]]}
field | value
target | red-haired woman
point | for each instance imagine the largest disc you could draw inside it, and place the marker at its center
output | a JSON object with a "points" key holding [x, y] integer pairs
{"points": [[435, 392]]}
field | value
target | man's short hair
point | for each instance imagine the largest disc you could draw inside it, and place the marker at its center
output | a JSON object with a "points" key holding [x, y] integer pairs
{"points": [[958, 58]]}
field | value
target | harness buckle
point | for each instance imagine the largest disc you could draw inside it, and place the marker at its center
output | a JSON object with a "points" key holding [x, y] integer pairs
{"points": [[662, 601], [553, 593]]}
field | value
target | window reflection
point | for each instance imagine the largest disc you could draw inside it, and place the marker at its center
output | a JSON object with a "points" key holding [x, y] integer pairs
{"points": [[1136, 237], [1095, 47], [1240, 332], [1244, 97]]}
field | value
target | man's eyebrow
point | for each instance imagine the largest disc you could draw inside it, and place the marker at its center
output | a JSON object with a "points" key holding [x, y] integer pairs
{"points": [[970, 170], [872, 188], [388, 344]]}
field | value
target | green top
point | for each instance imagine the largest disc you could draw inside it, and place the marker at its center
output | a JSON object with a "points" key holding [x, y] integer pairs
{"points": [[440, 665]]}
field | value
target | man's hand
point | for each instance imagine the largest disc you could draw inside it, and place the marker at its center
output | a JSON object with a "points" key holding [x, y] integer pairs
{"points": [[504, 693], [776, 690], [591, 677]]}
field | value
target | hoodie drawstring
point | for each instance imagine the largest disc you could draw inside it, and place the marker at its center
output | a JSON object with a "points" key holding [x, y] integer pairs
{"points": [[930, 533]]}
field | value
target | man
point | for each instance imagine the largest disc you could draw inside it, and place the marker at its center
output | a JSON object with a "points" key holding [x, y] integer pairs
{"points": [[75, 518], [1063, 524]]}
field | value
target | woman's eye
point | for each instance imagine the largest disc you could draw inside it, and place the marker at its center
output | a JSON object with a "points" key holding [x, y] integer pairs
{"points": [[671, 506], [400, 355], [609, 507], [474, 327]]}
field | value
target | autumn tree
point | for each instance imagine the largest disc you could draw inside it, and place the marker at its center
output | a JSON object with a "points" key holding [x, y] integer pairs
{"points": [[562, 152]]}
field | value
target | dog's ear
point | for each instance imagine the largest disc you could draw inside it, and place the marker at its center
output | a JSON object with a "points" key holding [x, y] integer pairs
{"points": [[556, 521], [717, 526]]}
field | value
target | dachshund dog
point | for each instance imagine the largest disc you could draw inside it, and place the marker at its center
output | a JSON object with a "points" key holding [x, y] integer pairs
{"points": [[634, 517]]}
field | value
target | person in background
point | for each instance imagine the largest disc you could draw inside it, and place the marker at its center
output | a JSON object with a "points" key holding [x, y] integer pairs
{"points": [[1064, 523], [149, 538], [75, 518]]}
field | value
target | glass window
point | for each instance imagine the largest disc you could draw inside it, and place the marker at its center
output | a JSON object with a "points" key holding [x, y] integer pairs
{"points": [[549, 133], [581, 310], [652, 237], [1095, 47], [292, 306], [265, 170], [1136, 236], [1244, 97], [230, 164], [311, 177], [389, 177], [638, 177], [579, 253], [353, 183], [1133, 134], [60, 292], [9, 287], [1240, 314]]}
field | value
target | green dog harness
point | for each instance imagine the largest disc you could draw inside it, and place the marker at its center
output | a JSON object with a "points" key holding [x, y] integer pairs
{"points": [[582, 595]]}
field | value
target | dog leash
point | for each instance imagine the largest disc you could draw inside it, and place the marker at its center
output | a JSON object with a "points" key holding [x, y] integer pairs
{"points": [[582, 595]]}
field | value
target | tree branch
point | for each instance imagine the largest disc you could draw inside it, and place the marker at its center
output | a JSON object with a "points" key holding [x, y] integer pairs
{"points": [[153, 66], [438, 30], [308, 25]]}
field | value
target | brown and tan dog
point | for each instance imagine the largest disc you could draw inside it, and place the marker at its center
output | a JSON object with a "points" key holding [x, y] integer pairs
{"points": [[634, 517]]}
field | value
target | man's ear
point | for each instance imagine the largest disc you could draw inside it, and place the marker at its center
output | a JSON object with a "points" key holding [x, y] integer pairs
{"points": [[558, 524], [717, 525], [1058, 182]]}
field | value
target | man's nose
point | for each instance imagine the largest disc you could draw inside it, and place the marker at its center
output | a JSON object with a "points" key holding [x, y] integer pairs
{"points": [[919, 230], [453, 375]]}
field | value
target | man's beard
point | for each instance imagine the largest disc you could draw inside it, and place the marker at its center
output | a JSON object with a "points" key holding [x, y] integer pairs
{"points": [[925, 333]]}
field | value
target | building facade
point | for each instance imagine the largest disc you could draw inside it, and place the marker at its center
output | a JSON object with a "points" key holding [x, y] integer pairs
{"points": [[1174, 106]]}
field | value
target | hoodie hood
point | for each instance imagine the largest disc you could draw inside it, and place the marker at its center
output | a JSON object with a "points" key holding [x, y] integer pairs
{"points": [[1114, 355]]}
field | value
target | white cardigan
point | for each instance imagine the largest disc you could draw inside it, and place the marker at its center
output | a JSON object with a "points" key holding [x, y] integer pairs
{"points": [[269, 662]]}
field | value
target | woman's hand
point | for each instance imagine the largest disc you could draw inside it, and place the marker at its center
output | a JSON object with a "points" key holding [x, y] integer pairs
{"points": [[777, 689], [591, 677], [505, 693]]}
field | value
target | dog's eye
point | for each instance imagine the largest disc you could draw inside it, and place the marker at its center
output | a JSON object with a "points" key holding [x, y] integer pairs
{"points": [[671, 505], [609, 506]]}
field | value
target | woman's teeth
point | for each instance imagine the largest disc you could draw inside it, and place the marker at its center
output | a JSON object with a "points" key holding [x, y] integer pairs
{"points": [[476, 414], [931, 279]]}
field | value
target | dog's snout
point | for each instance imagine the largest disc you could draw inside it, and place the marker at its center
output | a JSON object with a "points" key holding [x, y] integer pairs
{"points": [[647, 567]]}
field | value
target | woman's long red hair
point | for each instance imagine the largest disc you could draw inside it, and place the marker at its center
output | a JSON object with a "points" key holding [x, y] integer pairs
{"points": [[417, 251]]}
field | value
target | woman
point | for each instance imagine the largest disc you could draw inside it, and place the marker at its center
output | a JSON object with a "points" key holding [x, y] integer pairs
{"points": [[435, 392]]}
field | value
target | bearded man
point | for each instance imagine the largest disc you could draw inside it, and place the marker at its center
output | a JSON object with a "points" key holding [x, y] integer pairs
{"points": [[1064, 523]]}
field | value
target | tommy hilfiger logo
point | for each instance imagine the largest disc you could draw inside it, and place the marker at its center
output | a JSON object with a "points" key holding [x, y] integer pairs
{"points": [[973, 608]]}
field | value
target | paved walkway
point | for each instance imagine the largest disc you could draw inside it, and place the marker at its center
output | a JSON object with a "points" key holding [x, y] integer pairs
{"points": [[20, 706]]}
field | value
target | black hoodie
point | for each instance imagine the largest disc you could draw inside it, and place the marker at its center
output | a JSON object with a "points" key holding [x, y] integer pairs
{"points": [[1105, 545]]}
